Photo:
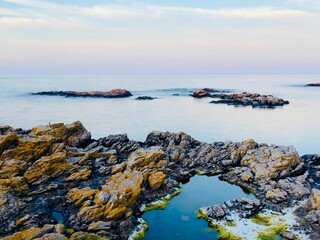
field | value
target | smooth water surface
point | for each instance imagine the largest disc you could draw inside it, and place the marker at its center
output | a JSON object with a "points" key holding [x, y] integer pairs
{"points": [[295, 124], [178, 220]]}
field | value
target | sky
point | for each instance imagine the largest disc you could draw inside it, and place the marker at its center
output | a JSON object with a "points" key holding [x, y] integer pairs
{"points": [[159, 37]]}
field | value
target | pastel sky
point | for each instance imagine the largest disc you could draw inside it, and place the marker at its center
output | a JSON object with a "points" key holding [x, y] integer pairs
{"points": [[159, 37]]}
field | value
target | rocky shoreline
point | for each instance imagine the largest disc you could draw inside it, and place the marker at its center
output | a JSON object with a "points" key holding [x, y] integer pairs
{"points": [[58, 183]]}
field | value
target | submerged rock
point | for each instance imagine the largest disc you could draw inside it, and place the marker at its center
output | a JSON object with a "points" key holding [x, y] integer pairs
{"points": [[114, 93], [249, 99], [145, 98], [313, 85], [101, 185]]}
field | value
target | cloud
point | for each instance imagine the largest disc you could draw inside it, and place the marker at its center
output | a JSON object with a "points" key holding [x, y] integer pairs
{"points": [[140, 10]]}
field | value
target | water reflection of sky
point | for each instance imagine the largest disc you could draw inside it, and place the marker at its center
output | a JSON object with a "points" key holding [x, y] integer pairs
{"points": [[295, 124], [178, 220]]}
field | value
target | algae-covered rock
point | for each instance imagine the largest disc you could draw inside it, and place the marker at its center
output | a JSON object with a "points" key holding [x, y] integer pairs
{"points": [[28, 149], [270, 162], [124, 189], [73, 134], [47, 167], [83, 174], [8, 141], [29, 234], [144, 157], [78, 196]]}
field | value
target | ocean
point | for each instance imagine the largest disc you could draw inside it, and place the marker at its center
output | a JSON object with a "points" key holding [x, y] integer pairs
{"points": [[294, 124], [174, 110]]}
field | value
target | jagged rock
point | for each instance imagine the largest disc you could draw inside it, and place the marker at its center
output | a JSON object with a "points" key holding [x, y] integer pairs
{"points": [[98, 226], [32, 233], [243, 207], [73, 134], [46, 167], [78, 196], [83, 174], [156, 179], [144, 157], [8, 141]]}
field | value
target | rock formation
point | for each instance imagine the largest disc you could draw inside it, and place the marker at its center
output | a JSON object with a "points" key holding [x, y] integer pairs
{"points": [[114, 93], [58, 183]]}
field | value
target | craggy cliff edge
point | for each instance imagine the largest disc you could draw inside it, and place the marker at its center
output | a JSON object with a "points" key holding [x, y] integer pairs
{"points": [[58, 183]]}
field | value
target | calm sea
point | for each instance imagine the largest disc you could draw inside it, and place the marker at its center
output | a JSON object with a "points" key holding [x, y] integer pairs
{"points": [[295, 124]]}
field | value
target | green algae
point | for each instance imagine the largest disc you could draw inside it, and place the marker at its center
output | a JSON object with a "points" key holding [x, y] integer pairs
{"points": [[162, 203], [202, 214], [139, 233]]}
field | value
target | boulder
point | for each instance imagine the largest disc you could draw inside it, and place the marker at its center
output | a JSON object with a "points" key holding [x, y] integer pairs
{"points": [[206, 92], [73, 134]]}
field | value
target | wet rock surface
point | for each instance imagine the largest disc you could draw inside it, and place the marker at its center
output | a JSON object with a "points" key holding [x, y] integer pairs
{"points": [[114, 93], [98, 186]]}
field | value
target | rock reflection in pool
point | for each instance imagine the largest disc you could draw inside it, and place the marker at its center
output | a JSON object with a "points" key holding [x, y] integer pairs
{"points": [[57, 216], [178, 220]]}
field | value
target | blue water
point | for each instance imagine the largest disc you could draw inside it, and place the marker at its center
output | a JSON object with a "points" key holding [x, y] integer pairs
{"points": [[178, 220], [295, 124]]}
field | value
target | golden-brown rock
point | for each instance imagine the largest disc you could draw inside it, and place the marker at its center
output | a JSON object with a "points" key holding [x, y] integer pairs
{"points": [[156, 179], [143, 157], [73, 134], [28, 149], [7, 141], [29, 234], [83, 174], [47, 167], [78, 196]]}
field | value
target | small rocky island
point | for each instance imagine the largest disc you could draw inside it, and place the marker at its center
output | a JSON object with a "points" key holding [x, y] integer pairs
{"points": [[255, 100], [114, 93], [58, 183]]}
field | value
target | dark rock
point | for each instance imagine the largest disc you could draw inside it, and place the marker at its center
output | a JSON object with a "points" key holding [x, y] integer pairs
{"points": [[313, 85], [114, 93], [249, 99], [145, 98]]}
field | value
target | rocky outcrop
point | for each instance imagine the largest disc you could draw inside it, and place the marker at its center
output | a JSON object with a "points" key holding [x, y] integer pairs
{"points": [[114, 93], [206, 92], [58, 183], [255, 100]]}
